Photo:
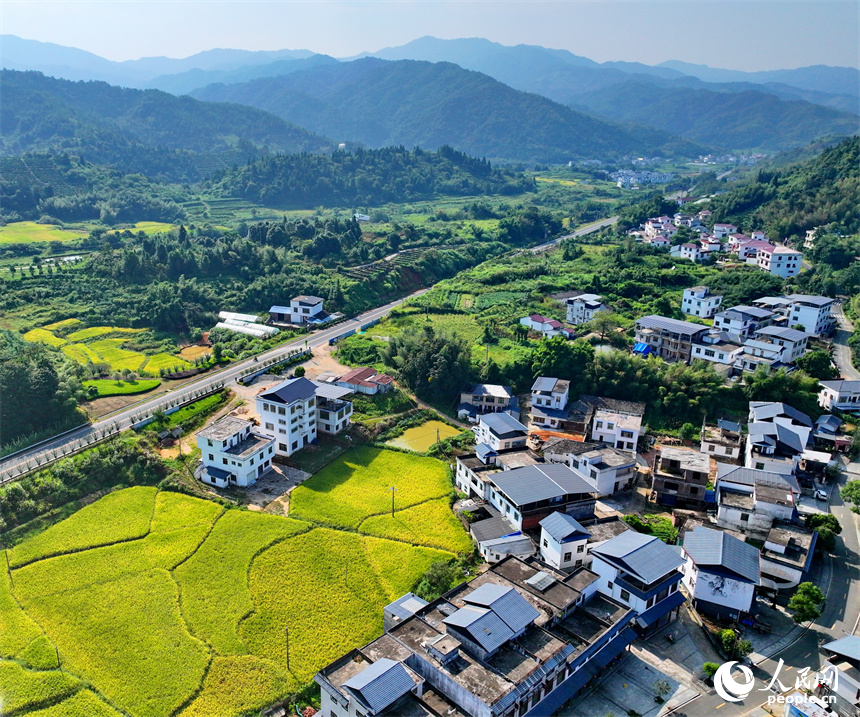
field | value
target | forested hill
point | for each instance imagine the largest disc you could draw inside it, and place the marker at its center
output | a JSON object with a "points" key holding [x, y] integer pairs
{"points": [[733, 120], [365, 177], [426, 104], [790, 200], [146, 131]]}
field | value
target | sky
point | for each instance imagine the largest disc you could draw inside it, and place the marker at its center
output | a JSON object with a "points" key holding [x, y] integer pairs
{"points": [[750, 35]]}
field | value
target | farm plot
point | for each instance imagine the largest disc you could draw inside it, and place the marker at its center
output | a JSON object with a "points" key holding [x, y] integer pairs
{"points": [[431, 524], [122, 515], [82, 353], [41, 336], [83, 703], [169, 362], [23, 688], [111, 352], [110, 387], [93, 331], [26, 232], [58, 327], [215, 595], [356, 486]]}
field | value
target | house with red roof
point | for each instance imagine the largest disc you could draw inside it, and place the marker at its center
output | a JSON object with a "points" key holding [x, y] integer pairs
{"points": [[365, 379]]}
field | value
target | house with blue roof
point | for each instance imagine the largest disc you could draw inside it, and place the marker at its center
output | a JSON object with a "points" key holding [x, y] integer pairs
{"points": [[500, 431], [721, 573], [643, 572], [563, 541]]}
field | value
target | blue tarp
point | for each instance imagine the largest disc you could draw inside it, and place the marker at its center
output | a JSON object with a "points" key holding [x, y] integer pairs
{"points": [[642, 348]]}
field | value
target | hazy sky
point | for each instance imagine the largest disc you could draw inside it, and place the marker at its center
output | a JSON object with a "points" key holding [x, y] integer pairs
{"points": [[749, 35]]}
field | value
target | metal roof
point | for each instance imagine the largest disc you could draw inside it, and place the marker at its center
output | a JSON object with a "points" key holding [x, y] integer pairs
{"points": [[848, 646], [767, 410], [482, 625], [502, 423], [753, 476], [810, 299], [646, 556], [280, 310], [562, 526], [511, 545], [513, 609], [290, 391], [754, 311], [541, 581], [490, 389], [482, 450], [406, 606], [714, 548], [783, 333], [666, 324], [544, 383], [729, 425], [839, 386], [531, 484], [305, 299], [381, 684], [651, 615], [327, 390]]}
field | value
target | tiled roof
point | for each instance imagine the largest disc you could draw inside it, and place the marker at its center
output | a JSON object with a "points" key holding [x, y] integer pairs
{"points": [[663, 323], [646, 556], [714, 548], [290, 391], [561, 526], [380, 684], [531, 484]]}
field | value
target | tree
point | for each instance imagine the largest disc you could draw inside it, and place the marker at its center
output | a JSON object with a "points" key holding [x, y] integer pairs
{"points": [[604, 322], [806, 603], [217, 352], [433, 365], [850, 492], [689, 432], [560, 358], [299, 372], [816, 521], [732, 646], [710, 669], [817, 363], [776, 385], [439, 579], [826, 540]]}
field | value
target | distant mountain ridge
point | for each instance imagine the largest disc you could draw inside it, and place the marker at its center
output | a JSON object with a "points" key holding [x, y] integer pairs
{"points": [[425, 104], [146, 131]]}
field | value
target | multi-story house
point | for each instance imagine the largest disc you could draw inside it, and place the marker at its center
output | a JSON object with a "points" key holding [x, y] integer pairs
{"points": [[754, 509], [295, 411], [521, 638], [232, 453], [724, 440], [487, 398], [843, 657], [735, 241], [583, 308], [617, 429], [669, 339], [563, 541], [772, 347], [681, 477], [721, 231], [643, 572], [546, 326], [301, 311], [581, 413], [743, 320], [787, 555], [813, 313], [549, 402], [500, 431], [605, 468], [780, 261], [777, 435], [719, 347], [688, 250], [840, 395], [721, 573], [749, 251]]}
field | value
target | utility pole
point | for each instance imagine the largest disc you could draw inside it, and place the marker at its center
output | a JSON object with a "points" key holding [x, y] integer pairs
{"points": [[394, 490], [287, 638]]}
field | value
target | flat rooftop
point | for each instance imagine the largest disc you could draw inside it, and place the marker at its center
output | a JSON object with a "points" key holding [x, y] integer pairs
{"points": [[224, 428], [249, 446], [687, 459]]}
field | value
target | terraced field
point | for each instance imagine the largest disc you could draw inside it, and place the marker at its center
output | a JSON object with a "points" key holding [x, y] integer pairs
{"points": [[158, 603]]}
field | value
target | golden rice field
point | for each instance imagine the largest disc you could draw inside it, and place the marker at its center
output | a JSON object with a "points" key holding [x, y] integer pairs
{"points": [[158, 603], [104, 345]]}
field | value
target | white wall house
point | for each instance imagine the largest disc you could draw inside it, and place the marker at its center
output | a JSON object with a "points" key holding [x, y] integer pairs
{"points": [[563, 541], [605, 468], [722, 441], [232, 453], [583, 308], [487, 398], [302, 310], [813, 313], [841, 395], [786, 556], [616, 429], [699, 301], [543, 325], [643, 572], [749, 251], [723, 230], [717, 351], [780, 261], [692, 252], [743, 320], [550, 392], [755, 511], [500, 431], [295, 411], [721, 573], [843, 655]]}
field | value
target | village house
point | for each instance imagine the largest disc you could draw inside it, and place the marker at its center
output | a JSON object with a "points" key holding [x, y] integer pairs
{"points": [[773, 347], [718, 347], [367, 380], [710, 244], [660, 241], [723, 440], [680, 478], [582, 412], [522, 637], [843, 656], [809, 239], [563, 541], [756, 505], [735, 241], [690, 251], [643, 572], [549, 402], [749, 251], [787, 555], [605, 468], [777, 435], [669, 339], [617, 429], [303, 310], [499, 431], [720, 231], [487, 398], [699, 301], [721, 573], [813, 313], [547, 327], [295, 411], [743, 320], [840, 395], [583, 308], [780, 261], [232, 453]]}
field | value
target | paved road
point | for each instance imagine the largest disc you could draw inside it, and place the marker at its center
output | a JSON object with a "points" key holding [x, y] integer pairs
{"points": [[840, 617], [578, 233], [123, 419], [841, 350]]}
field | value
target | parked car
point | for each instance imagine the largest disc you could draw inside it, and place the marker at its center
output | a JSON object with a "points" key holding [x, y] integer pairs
{"points": [[821, 495]]}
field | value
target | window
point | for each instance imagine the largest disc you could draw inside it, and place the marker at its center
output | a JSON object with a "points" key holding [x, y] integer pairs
{"points": [[610, 426], [545, 544], [745, 517], [599, 424], [759, 466], [567, 557], [209, 443], [580, 548], [270, 426], [211, 457], [625, 596], [627, 434], [295, 445], [609, 585], [694, 490], [578, 563], [224, 461], [282, 447], [711, 448]]}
